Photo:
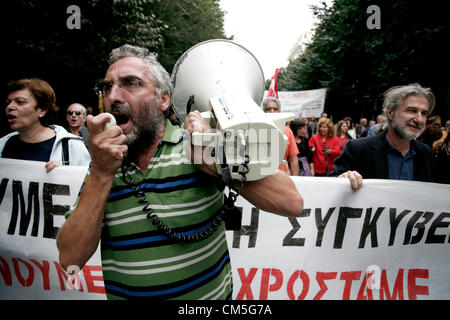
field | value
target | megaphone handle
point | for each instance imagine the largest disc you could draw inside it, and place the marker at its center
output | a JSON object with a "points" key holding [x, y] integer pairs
{"points": [[189, 104], [207, 116], [240, 136], [204, 139]]}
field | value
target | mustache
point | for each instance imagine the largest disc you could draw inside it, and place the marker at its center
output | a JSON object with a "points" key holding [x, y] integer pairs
{"points": [[122, 113], [416, 125], [121, 109]]}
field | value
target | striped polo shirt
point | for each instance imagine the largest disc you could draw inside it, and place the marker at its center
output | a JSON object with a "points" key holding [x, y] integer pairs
{"points": [[141, 261]]}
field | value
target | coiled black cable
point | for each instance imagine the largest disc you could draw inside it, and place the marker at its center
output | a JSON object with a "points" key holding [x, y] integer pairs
{"points": [[173, 235]]}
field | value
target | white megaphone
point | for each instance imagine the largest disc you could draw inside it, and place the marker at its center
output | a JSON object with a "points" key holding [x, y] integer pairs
{"points": [[225, 82]]}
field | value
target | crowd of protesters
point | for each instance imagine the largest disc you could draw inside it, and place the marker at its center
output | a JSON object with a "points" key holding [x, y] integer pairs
{"points": [[313, 145], [406, 144], [320, 141]]}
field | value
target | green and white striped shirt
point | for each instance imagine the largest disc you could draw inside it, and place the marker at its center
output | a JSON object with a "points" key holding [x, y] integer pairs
{"points": [[141, 261]]}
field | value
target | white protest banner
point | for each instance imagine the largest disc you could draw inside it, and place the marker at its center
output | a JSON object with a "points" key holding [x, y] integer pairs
{"points": [[32, 208], [305, 104], [389, 240]]}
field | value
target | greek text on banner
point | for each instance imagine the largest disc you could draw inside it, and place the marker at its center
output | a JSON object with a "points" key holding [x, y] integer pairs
{"points": [[389, 240]]}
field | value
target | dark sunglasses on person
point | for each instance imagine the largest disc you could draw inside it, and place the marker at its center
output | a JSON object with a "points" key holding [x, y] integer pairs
{"points": [[78, 113]]}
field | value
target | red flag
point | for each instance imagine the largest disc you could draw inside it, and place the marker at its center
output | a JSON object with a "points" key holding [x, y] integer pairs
{"points": [[273, 90]]}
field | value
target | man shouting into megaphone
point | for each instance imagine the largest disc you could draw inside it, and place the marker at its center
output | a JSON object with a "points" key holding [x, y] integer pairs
{"points": [[158, 216]]}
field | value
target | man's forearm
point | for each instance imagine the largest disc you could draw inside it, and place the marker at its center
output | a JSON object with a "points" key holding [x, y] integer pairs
{"points": [[293, 165], [78, 238], [275, 193]]}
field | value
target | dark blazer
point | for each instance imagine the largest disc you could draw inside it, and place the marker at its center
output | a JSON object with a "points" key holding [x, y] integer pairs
{"points": [[369, 157]]}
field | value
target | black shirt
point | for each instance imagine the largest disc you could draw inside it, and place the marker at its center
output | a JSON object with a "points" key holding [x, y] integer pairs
{"points": [[304, 150], [17, 149]]}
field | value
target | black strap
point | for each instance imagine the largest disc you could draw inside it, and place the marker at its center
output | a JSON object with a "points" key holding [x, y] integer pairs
{"points": [[232, 214], [189, 104], [226, 174], [65, 153]]}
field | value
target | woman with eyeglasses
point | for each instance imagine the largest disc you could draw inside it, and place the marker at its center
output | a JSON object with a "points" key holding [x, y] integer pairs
{"points": [[30, 108]]}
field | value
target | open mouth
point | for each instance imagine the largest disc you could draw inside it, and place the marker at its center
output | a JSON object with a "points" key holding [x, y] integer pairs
{"points": [[11, 117], [121, 118]]}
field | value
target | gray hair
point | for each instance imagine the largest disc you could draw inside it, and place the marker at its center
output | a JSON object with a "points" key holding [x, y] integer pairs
{"points": [[381, 117], [395, 96], [157, 74], [80, 105], [269, 99]]}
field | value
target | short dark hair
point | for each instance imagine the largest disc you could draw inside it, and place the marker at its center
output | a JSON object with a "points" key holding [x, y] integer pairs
{"points": [[296, 124], [430, 134], [42, 92]]}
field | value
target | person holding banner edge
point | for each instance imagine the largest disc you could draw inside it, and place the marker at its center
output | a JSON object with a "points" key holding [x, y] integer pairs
{"points": [[30, 109], [394, 153], [142, 198]]}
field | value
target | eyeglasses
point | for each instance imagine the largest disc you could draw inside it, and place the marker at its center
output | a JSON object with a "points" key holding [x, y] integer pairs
{"points": [[130, 84], [69, 113]]}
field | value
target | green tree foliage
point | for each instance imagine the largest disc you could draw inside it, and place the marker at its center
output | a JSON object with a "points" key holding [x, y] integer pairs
{"points": [[39, 27], [188, 23], [39, 43], [357, 64]]}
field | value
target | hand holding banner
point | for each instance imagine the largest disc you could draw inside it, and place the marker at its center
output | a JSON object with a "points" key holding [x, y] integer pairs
{"points": [[389, 240]]}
